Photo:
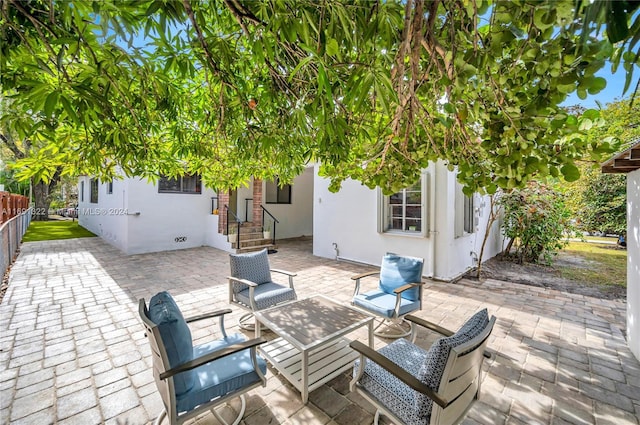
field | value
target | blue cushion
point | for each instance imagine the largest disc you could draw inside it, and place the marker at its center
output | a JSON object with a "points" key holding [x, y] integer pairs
{"points": [[252, 266], [222, 376], [388, 389], [435, 361], [396, 271], [383, 304], [176, 337], [267, 295]]}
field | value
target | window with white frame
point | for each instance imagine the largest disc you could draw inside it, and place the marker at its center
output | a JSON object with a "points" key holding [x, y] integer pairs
{"points": [[465, 217], [405, 211], [109, 188], [82, 191], [180, 184], [276, 193], [93, 194], [468, 225]]}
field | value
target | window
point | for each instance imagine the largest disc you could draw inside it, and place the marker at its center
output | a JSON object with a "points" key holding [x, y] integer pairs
{"points": [[82, 191], [109, 188], [276, 194], [404, 211], [465, 219], [94, 191], [181, 184], [468, 214]]}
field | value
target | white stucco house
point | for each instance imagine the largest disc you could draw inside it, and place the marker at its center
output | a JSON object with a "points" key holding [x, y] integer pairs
{"points": [[628, 162], [432, 219]]}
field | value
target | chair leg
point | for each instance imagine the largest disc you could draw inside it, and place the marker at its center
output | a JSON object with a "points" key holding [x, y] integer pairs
{"points": [[238, 418], [160, 417], [247, 322], [376, 418], [244, 322], [395, 328]]}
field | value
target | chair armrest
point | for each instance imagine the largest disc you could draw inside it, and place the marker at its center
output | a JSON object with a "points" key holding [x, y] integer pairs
{"points": [[401, 289], [398, 372], [357, 278], [244, 281], [217, 313], [214, 355], [428, 325], [289, 274], [284, 272], [361, 275], [208, 315], [437, 328]]}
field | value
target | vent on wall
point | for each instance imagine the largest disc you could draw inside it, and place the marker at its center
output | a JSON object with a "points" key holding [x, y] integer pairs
{"points": [[180, 239]]}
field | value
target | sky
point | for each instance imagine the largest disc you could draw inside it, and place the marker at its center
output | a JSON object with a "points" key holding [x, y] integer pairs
{"points": [[613, 91]]}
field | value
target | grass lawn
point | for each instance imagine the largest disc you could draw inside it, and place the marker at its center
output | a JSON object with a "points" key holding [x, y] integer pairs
{"points": [[610, 239], [604, 265], [52, 230]]}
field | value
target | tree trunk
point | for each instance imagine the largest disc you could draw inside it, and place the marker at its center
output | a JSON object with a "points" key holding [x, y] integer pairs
{"points": [[42, 198], [42, 201], [507, 250], [493, 216]]}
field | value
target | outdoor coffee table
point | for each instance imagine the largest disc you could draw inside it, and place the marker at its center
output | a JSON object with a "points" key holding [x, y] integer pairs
{"points": [[311, 348]]}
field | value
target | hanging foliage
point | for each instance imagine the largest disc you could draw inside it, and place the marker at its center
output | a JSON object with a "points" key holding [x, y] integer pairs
{"points": [[231, 89]]}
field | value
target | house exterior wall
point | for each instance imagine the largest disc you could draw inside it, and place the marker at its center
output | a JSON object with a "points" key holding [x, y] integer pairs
{"points": [[456, 254], [295, 219], [245, 203], [138, 219], [350, 220], [107, 218], [633, 262]]}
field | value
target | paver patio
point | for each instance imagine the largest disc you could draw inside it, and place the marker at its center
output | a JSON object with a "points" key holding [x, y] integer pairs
{"points": [[72, 349]]}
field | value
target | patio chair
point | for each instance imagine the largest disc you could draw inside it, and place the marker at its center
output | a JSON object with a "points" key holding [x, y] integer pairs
{"points": [[399, 293], [193, 379], [412, 385], [251, 286]]}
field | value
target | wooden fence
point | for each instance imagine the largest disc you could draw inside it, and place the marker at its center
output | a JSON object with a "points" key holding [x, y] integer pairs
{"points": [[16, 217], [12, 205]]}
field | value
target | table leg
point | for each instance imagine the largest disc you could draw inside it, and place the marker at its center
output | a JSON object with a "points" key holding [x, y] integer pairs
{"points": [[371, 334], [257, 326], [304, 391]]}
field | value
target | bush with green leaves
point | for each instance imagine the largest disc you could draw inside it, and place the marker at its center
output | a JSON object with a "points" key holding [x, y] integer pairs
{"points": [[535, 221], [604, 204]]}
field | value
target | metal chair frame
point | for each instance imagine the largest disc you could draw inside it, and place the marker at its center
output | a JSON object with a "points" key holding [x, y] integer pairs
{"points": [[460, 383], [163, 375]]}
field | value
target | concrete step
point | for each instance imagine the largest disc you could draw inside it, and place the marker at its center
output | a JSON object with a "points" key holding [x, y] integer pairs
{"points": [[245, 243], [253, 248]]}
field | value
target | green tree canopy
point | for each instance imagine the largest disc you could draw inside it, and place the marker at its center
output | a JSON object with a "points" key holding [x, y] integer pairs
{"points": [[598, 201], [231, 89]]}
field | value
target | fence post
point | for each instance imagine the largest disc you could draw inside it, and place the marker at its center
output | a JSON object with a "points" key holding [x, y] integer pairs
{"points": [[11, 234]]}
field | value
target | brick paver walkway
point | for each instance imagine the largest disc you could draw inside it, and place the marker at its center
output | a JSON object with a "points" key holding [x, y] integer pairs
{"points": [[72, 350]]}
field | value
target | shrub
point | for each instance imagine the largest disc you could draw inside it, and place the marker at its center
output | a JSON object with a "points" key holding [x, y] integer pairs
{"points": [[536, 221]]}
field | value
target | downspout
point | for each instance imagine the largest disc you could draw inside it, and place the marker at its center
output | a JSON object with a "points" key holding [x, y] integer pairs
{"points": [[432, 221]]}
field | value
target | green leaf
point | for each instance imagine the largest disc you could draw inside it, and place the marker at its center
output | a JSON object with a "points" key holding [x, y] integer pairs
{"points": [[585, 124], [332, 48], [597, 85], [617, 29], [570, 172], [582, 93], [591, 114], [300, 65], [69, 109], [50, 103], [449, 108]]}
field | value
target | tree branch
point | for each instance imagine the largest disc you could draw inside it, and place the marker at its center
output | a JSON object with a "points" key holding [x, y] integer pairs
{"points": [[203, 42], [7, 139]]}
